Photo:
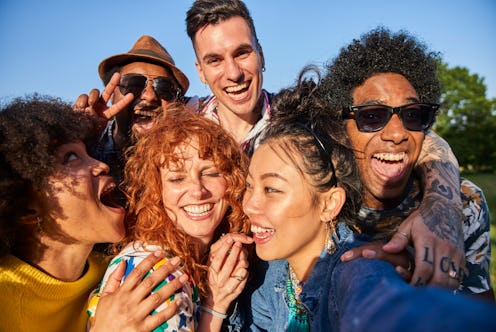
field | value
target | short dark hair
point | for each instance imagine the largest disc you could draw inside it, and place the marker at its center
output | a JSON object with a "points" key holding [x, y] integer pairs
{"points": [[31, 130], [300, 123], [381, 51], [205, 12]]}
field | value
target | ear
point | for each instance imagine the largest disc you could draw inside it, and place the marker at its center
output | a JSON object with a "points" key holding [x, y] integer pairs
{"points": [[332, 201], [260, 51], [200, 72]]}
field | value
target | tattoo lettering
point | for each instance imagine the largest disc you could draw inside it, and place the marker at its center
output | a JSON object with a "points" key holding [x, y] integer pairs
{"points": [[426, 256]]}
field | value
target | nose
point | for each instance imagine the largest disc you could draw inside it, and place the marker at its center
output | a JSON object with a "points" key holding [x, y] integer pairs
{"points": [[251, 205], [394, 130], [233, 71], [148, 93], [198, 190], [99, 168]]}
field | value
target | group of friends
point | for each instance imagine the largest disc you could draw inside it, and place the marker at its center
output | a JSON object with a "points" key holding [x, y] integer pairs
{"points": [[328, 206]]}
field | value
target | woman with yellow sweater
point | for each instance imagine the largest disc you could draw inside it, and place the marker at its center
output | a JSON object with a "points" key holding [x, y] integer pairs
{"points": [[54, 207]]}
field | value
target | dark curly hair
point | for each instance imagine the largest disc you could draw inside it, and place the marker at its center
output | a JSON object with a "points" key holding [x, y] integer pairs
{"points": [[380, 51], [147, 219], [205, 12], [301, 125], [31, 130]]}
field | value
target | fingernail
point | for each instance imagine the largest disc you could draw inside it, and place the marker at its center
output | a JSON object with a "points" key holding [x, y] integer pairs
{"points": [[347, 255], [238, 244], [229, 240], [183, 278], [174, 260], [159, 253]]}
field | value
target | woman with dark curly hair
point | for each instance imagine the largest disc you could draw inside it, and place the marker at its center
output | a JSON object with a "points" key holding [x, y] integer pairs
{"points": [[54, 207], [184, 181], [302, 197]]}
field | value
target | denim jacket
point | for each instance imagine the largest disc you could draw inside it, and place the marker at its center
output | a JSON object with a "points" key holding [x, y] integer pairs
{"points": [[363, 295]]}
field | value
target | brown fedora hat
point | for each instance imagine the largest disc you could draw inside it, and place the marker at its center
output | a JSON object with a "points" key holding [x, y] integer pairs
{"points": [[146, 49]]}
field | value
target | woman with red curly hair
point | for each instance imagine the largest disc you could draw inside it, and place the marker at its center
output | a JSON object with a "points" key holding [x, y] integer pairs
{"points": [[184, 180]]}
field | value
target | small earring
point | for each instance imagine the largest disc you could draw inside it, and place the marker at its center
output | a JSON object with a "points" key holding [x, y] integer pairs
{"points": [[263, 69]]}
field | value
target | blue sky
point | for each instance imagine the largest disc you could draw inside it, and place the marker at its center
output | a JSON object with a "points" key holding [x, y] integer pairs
{"points": [[54, 46]]}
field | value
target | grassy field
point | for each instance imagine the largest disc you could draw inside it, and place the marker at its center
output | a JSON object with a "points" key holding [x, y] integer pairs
{"points": [[487, 181]]}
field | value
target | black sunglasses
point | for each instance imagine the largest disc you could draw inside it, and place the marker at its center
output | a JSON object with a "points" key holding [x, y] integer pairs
{"points": [[164, 87], [374, 117]]}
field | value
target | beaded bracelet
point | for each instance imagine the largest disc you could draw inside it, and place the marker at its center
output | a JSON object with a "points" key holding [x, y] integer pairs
{"points": [[213, 312]]}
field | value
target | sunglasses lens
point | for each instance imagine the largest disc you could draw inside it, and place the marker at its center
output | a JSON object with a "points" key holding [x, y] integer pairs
{"points": [[132, 84], [165, 88], [372, 118], [417, 117]]}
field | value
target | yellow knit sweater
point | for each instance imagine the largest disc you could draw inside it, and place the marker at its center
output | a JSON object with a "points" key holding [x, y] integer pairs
{"points": [[34, 301]]}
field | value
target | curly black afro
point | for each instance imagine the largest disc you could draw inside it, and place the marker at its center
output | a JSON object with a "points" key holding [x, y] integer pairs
{"points": [[31, 130], [380, 51]]}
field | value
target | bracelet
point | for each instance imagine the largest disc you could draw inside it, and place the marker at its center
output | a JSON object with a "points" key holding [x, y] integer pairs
{"points": [[213, 312]]}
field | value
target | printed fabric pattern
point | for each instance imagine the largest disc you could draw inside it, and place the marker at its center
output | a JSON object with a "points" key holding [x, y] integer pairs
{"points": [[188, 313], [209, 110]]}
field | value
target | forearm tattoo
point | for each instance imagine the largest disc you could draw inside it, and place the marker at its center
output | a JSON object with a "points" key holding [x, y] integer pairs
{"points": [[442, 207]]}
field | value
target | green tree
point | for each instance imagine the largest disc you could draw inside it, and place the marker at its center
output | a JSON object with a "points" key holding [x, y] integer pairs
{"points": [[467, 118]]}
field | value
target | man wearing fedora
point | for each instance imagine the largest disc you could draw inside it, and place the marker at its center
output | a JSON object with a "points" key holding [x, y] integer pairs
{"points": [[140, 83]]}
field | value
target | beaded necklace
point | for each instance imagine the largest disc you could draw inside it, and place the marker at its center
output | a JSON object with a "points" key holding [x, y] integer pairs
{"points": [[298, 316]]}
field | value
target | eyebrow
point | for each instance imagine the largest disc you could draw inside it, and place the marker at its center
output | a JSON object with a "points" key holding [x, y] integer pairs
{"points": [[379, 102], [242, 47], [273, 175]]}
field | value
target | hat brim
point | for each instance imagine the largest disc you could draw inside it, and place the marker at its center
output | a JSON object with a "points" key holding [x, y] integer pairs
{"points": [[125, 58]]}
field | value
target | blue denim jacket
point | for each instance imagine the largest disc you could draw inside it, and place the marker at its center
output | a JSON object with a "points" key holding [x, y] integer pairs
{"points": [[363, 295]]}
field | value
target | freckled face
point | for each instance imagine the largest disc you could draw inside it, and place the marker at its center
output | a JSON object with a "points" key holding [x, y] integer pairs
{"points": [[386, 158], [285, 222], [230, 61], [193, 193]]}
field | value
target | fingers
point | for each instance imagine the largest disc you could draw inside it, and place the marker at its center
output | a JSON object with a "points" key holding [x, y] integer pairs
{"points": [[109, 89], [226, 250], [155, 299], [399, 241], [94, 97], [114, 280], [81, 103], [373, 250], [122, 104]]}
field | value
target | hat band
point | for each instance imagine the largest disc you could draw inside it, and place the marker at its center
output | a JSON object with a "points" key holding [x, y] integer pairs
{"points": [[153, 54]]}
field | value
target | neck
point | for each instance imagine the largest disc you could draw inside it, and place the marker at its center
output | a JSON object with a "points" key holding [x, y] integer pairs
{"points": [[238, 125], [304, 260], [65, 262]]}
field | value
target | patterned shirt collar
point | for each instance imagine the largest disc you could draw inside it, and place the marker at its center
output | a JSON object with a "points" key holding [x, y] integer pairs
{"points": [[252, 139]]}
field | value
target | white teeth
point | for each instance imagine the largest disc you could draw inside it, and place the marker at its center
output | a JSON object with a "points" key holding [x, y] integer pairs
{"points": [[198, 210], [236, 88], [390, 156], [148, 112], [258, 229], [108, 188]]}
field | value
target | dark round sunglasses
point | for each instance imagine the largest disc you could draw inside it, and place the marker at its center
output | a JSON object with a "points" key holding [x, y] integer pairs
{"points": [[374, 117], [165, 88]]}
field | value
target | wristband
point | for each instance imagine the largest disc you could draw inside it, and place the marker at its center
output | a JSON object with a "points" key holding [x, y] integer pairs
{"points": [[213, 312]]}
